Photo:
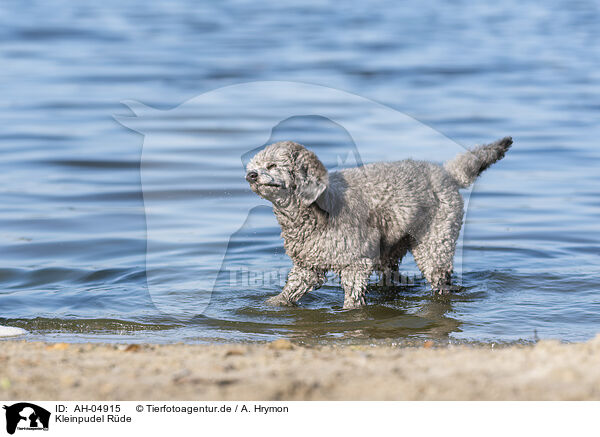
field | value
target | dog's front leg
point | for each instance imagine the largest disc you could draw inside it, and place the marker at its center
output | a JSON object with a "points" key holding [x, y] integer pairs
{"points": [[300, 281], [354, 282]]}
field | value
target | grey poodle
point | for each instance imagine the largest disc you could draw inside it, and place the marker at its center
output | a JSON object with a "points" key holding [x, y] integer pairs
{"points": [[365, 219]]}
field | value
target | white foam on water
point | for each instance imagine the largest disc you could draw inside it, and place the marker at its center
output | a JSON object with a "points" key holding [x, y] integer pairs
{"points": [[9, 331]]}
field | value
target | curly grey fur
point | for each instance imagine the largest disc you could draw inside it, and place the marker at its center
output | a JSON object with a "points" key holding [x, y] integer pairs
{"points": [[365, 219], [467, 166]]}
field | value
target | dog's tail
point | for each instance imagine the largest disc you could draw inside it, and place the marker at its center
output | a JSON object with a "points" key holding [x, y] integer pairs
{"points": [[465, 168]]}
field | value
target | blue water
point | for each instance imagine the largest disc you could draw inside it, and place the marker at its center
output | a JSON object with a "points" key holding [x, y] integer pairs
{"points": [[101, 242]]}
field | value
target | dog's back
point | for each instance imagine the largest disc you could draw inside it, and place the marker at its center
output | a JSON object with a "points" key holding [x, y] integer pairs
{"points": [[398, 198]]}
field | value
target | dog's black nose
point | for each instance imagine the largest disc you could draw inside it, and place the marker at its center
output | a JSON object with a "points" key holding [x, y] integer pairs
{"points": [[252, 176]]}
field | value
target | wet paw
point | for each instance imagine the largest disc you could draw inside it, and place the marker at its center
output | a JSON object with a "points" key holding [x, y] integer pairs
{"points": [[279, 301], [446, 290], [354, 304]]}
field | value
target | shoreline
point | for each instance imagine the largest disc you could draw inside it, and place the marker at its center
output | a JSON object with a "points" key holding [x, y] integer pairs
{"points": [[281, 370]]}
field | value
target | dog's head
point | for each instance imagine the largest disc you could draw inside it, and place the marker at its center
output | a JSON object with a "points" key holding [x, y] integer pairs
{"points": [[286, 171]]}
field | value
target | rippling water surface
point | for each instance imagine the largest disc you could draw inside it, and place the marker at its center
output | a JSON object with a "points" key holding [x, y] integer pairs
{"points": [[74, 233]]}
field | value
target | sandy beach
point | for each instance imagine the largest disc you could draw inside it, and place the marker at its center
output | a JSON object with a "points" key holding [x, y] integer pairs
{"points": [[282, 370]]}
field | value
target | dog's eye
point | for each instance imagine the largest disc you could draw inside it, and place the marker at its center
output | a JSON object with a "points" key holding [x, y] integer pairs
{"points": [[271, 166]]}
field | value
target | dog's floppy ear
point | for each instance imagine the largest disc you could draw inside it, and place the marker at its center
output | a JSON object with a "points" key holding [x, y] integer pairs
{"points": [[311, 176]]}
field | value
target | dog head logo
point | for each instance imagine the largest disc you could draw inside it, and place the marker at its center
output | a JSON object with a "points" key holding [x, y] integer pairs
{"points": [[26, 416], [194, 189]]}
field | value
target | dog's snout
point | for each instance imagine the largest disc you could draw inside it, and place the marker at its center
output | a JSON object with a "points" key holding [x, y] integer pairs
{"points": [[251, 176]]}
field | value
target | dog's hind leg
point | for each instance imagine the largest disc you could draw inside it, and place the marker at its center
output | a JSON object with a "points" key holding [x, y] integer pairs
{"points": [[354, 281], [435, 263], [300, 281], [434, 251]]}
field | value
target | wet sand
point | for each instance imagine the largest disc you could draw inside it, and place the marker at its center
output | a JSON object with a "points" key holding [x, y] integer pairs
{"points": [[281, 370]]}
